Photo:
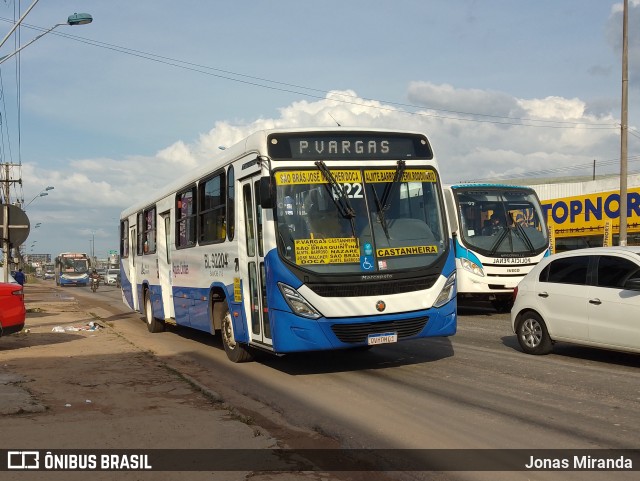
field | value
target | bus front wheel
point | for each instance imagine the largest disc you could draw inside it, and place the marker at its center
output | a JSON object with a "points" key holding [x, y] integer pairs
{"points": [[236, 352], [153, 324]]}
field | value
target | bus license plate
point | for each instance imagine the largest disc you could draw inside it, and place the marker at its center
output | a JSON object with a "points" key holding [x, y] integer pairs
{"points": [[384, 338]]}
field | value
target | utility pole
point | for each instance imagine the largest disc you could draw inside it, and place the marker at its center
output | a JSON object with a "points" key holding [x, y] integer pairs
{"points": [[6, 200], [622, 236]]}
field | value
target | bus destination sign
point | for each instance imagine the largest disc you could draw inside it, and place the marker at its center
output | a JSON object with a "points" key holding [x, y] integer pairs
{"points": [[349, 146]]}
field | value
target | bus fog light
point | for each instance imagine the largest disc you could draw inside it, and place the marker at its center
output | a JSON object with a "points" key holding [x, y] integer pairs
{"points": [[298, 304], [472, 267], [448, 291]]}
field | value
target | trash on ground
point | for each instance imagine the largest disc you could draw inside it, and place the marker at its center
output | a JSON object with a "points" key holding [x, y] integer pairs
{"points": [[91, 326]]}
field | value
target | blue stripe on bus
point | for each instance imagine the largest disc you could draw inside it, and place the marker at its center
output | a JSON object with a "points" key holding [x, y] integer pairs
{"points": [[464, 253]]}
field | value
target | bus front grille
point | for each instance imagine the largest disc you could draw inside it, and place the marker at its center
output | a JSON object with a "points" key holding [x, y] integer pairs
{"points": [[353, 333], [361, 289]]}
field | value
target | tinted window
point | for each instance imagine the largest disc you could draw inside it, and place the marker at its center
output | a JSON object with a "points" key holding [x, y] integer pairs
{"points": [[615, 271], [186, 218], [150, 230], [231, 199], [124, 238], [140, 233], [570, 270], [212, 202]]}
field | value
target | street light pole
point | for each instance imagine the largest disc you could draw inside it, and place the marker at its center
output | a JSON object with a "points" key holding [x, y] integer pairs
{"points": [[42, 193], [622, 236], [17, 24], [75, 19]]}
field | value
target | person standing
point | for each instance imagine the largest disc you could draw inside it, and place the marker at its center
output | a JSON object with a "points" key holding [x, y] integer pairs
{"points": [[19, 277]]}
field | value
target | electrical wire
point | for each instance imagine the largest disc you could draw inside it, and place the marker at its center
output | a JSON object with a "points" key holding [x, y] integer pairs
{"points": [[262, 82]]}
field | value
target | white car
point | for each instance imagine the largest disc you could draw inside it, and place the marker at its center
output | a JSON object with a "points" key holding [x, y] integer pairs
{"points": [[586, 296], [111, 277], [11, 278]]}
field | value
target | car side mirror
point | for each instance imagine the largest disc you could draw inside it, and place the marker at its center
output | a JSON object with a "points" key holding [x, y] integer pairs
{"points": [[633, 284]]}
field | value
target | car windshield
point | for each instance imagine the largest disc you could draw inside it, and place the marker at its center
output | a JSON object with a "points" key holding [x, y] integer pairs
{"points": [[359, 220], [501, 221]]}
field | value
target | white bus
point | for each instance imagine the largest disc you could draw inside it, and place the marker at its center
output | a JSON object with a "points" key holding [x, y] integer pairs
{"points": [[297, 240], [499, 234], [72, 269]]}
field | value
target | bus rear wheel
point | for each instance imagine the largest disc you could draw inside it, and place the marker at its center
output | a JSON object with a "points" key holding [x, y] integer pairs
{"points": [[236, 352], [153, 324]]}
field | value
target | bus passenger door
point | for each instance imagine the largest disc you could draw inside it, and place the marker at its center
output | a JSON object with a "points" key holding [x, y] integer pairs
{"points": [[164, 264], [132, 272], [252, 269]]}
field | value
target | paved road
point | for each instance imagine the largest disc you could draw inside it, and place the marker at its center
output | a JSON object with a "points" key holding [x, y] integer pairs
{"points": [[474, 390]]}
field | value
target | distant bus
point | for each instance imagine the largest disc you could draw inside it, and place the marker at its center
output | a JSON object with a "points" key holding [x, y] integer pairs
{"points": [[499, 234], [72, 269], [297, 240]]}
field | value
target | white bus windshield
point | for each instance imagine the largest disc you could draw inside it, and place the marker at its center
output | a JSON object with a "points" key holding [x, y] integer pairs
{"points": [[501, 221], [75, 265], [385, 219]]}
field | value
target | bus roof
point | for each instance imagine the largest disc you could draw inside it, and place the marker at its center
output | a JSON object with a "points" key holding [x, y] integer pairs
{"points": [[487, 186]]}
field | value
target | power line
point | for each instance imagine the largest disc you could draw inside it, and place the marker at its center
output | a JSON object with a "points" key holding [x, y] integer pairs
{"points": [[557, 170], [262, 82]]}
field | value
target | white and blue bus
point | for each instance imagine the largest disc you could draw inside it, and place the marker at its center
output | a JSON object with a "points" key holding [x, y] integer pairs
{"points": [[297, 240], [499, 234], [72, 269]]}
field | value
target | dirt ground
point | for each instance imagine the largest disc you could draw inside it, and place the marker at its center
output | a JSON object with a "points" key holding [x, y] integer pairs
{"points": [[69, 381]]}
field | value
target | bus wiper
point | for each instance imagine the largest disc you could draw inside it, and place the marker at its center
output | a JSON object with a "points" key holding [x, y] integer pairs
{"points": [[381, 217], [339, 197], [499, 240], [390, 188], [523, 235]]}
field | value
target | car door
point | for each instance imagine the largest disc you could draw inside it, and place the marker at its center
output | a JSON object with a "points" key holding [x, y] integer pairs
{"points": [[613, 306], [561, 292]]}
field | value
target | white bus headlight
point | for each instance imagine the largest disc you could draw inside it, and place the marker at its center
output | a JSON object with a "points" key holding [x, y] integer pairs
{"points": [[472, 267], [297, 303], [447, 292]]}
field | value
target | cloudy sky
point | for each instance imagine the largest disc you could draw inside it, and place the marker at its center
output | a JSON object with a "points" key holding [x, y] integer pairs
{"points": [[109, 111]]}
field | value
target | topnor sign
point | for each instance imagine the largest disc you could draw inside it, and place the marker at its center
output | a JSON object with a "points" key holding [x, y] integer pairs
{"points": [[586, 214]]}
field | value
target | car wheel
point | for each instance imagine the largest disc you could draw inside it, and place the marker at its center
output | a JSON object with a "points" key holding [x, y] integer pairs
{"points": [[236, 352], [153, 324], [532, 334]]}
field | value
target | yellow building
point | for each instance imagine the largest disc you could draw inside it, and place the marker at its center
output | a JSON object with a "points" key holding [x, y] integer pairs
{"points": [[579, 214]]}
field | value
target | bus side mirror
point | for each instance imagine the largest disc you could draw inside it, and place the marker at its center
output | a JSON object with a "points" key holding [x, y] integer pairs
{"points": [[451, 211], [266, 193]]}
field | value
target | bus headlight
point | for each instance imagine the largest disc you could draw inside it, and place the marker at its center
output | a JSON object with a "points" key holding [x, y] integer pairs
{"points": [[472, 267], [447, 292], [298, 304]]}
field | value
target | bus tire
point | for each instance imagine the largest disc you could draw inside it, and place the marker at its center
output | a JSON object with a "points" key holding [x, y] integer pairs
{"points": [[236, 352], [153, 324], [532, 333]]}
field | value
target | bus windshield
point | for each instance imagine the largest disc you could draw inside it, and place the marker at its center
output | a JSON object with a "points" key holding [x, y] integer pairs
{"points": [[359, 220], [501, 221], [75, 265]]}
